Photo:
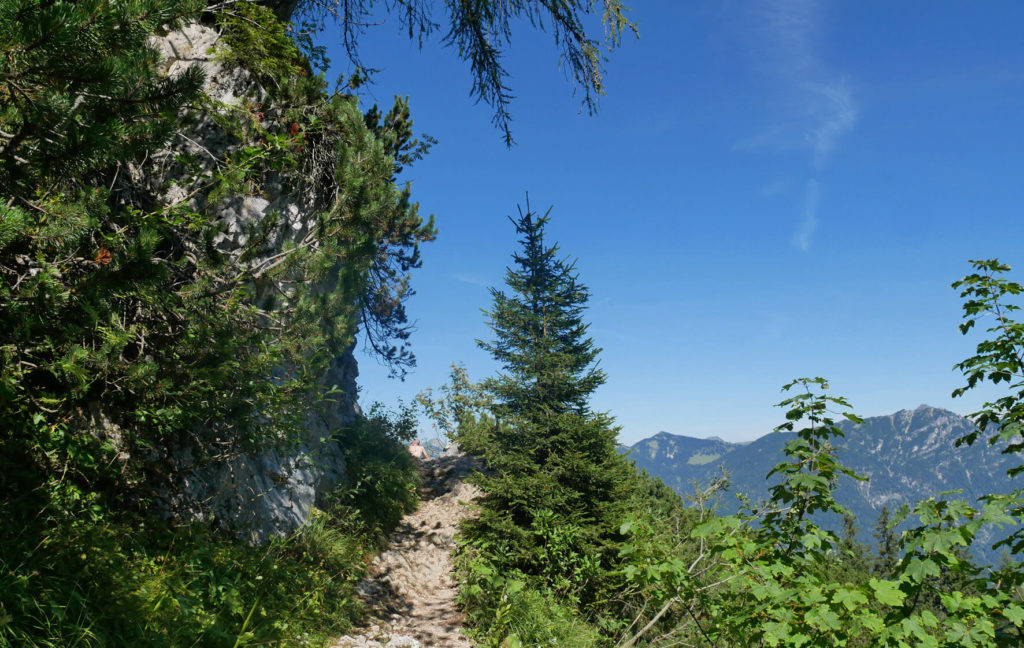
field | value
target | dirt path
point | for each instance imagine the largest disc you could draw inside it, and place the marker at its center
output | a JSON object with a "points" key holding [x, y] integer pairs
{"points": [[411, 588]]}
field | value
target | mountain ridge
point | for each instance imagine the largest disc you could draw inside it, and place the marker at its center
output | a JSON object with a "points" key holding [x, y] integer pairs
{"points": [[907, 456]]}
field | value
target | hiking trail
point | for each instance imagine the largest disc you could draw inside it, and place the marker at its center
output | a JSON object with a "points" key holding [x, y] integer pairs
{"points": [[410, 589]]}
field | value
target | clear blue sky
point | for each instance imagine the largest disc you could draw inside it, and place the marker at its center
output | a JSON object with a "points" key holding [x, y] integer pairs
{"points": [[770, 190]]}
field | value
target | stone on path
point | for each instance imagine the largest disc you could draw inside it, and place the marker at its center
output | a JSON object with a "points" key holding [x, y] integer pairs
{"points": [[411, 587]]}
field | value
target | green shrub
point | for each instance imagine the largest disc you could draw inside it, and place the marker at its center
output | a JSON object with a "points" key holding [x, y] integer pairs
{"points": [[507, 611], [536, 618], [137, 583], [383, 477]]}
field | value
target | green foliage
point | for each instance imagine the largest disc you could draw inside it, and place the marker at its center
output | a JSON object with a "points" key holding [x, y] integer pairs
{"points": [[998, 360], [771, 576], [481, 31], [888, 552], [383, 478], [853, 559], [125, 333], [116, 343], [546, 551], [255, 41], [654, 557], [540, 338], [459, 407], [506, 611], [78, 92], [346, 163], [129, 334], [779, 586], [556, 488]]}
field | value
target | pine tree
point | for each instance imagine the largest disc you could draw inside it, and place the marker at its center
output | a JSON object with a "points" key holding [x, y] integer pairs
{"points": [[80, 89], [553, 461]]}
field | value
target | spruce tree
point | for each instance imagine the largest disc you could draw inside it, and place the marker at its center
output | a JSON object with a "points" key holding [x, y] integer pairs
{"points": [[553, 461], [540, 336]]}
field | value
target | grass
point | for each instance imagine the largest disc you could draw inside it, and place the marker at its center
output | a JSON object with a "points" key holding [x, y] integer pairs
{"points": [[138, 583]]}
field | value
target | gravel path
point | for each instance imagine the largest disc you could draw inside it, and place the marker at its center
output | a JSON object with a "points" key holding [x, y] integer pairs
{"points": [[411, 588]]}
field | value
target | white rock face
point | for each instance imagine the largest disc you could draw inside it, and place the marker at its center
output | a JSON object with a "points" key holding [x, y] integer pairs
{"points": [[272, 493]]}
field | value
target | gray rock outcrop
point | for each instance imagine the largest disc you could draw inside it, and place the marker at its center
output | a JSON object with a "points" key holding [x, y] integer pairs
{"points": [[255, 496]]}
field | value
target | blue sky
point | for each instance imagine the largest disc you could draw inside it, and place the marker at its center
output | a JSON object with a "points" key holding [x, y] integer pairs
{"points": [[770, 189]]}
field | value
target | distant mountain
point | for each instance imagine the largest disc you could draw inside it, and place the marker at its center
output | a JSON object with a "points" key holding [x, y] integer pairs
{"points": [[908, 456]]}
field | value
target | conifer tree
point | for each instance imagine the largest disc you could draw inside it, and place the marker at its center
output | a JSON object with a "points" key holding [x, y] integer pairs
{"points": [[553, 460], [540, 337], [80, 89], [888, 546], [854, 559]]}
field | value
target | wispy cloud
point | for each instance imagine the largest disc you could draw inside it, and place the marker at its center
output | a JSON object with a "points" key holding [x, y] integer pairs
{"points": [[818, 106], [835, 115], [812, 196], [789, 30]]}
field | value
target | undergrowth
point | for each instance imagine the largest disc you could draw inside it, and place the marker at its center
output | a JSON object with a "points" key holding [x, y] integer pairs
{"points": [[74, 573]]}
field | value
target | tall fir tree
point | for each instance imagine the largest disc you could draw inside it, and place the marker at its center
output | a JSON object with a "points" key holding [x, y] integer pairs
{"points": [[553, 461], [540, 336]]}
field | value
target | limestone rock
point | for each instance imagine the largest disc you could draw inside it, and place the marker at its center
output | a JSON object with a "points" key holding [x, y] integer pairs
{"points": [[272, 493]]}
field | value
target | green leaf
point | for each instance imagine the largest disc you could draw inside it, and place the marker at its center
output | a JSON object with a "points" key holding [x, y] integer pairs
{"points": [[849, 597], [919, 570], [823, 618], [914, 630], [887, 592], [1014, 613]]}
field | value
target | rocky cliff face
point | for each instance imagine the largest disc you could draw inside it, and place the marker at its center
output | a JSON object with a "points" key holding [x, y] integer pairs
{"points": [[271, 493], [260, 496]]}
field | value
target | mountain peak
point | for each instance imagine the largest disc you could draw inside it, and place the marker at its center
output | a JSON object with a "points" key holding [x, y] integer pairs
{"points": [[926, 411]]}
